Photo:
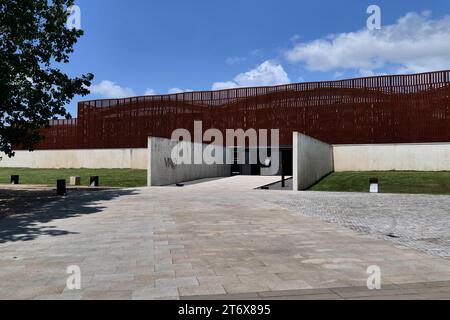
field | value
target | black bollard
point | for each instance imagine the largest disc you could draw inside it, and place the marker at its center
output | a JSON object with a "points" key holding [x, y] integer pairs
{"points": [[61, 187], [94, 181], [373, 185], [15, 179], [283, 176]]}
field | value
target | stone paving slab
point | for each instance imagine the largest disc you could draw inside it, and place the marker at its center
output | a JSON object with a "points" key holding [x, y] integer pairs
{"points": [[412, 291], [220, 237]]}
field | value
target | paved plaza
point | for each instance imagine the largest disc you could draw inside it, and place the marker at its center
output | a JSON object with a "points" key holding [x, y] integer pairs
{"points": [[222, 239]]}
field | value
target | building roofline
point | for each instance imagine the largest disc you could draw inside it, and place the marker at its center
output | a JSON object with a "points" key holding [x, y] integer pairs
{"points": [[270, 87]]}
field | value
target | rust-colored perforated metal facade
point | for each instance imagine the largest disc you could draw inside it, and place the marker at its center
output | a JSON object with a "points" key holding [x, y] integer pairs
{"points": [[383, 109]]}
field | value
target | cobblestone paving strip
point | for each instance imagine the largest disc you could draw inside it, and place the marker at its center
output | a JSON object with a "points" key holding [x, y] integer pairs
{"points": [[421, 222]]}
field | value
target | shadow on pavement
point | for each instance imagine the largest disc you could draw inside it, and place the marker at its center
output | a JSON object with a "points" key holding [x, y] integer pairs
{"points": [[23, 211]]}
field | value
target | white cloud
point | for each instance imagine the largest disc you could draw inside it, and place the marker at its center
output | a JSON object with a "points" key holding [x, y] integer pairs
{"points": [[149, 92], [338, 74], [108, 89], [224, 85], [178, 90], [266, 74], [256, 52], [295, 38], [416, 43], [234, 60]]}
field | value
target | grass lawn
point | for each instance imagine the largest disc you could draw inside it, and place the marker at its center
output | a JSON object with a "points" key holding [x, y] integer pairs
{"points": [[123, 178], [389, 182]]}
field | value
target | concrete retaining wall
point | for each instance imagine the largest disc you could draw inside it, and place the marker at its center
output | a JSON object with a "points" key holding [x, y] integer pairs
{"points": [[163, 171], [75, 159], [313, 160], [387, 157], [377, 157]]}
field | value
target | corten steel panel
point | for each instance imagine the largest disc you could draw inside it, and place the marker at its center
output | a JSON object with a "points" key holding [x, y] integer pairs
{"points": [[384, 109]]}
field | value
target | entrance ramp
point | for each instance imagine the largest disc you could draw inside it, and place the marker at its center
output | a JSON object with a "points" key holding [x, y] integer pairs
{"points": [[234, 183]]}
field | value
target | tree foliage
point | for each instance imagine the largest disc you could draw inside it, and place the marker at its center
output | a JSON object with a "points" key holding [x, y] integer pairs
{"points": [[34, 43]]}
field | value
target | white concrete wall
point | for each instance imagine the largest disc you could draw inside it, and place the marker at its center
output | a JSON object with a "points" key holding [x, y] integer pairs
{"points": [[387, 157], [75, 159], [313, 160], [163, 172]]}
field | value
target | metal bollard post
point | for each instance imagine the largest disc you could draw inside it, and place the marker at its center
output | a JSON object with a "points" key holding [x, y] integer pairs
{"points": [[373, 183], [14, 179], [94, 181], [283, 176], [75, 181], [61, 187]]}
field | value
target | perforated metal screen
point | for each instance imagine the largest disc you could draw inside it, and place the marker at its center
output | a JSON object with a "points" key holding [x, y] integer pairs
{"points": [[383, 109]]}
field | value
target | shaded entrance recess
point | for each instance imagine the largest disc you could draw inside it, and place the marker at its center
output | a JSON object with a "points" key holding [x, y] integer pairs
{"points": [[286, 167]]}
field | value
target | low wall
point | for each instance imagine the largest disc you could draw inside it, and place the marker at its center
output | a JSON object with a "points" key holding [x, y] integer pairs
{"points": [[163, 171], [313, 160], [75, 159], [388, 157]]}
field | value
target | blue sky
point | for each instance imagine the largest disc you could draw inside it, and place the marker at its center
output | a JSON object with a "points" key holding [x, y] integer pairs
{"points": [[135, 47]]}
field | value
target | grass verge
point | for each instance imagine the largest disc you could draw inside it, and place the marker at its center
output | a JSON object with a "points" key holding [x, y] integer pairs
{"points": [[121, 178], [412, 182]]}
